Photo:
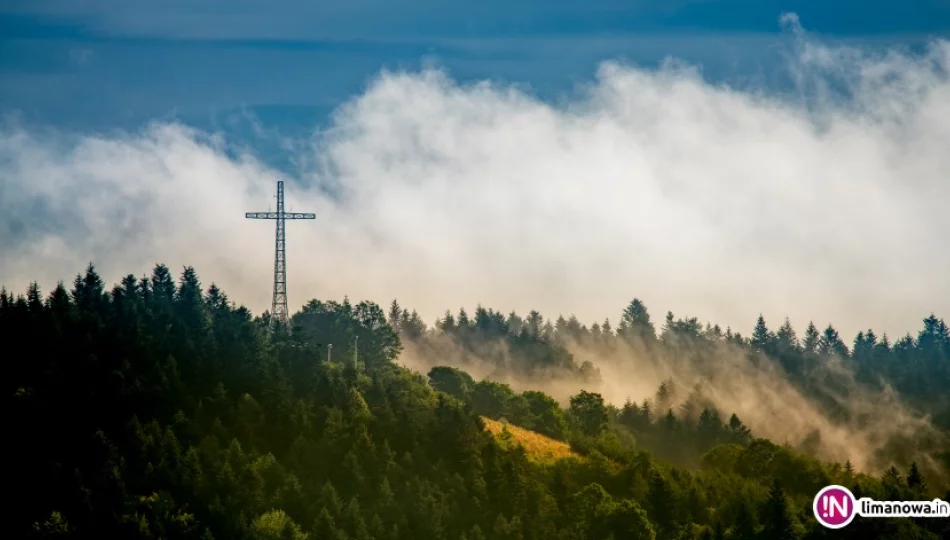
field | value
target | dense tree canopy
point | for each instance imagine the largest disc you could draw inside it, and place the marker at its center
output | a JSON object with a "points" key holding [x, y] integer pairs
{"points": [[159, 409]]}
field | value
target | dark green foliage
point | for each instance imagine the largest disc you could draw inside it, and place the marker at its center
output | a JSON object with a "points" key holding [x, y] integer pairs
{"points": [[762, 338], [744, 526], [159, 409], [776, 517], [915, 481], [635, 323], [546, 416], [492, 399], [662, 503], [589, 413], [452, 381]]}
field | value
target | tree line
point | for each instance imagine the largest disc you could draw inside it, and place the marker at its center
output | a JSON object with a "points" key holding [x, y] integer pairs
{"points": [[158, 408], [818, 364]]}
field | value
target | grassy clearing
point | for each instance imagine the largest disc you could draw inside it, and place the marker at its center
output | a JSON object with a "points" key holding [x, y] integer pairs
{"points": [[539, 448]]}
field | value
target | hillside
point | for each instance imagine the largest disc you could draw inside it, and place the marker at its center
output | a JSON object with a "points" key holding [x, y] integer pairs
{"points": [[158, 409], [539, 449]]}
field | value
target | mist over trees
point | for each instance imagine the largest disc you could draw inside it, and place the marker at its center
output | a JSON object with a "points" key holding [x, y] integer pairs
{"points": [[917, 366], [865, 387], [158, 408]]}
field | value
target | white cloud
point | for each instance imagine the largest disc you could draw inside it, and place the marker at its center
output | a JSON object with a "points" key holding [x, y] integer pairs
{"points": [[701, 199]]}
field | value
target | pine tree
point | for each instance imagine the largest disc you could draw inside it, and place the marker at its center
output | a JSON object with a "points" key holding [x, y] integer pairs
{"points": [[560, 327], [413, 327], [848, 472], [745, 525], [629, 521], [812, 339], [830, 343], [669, 328], [325, 527], [330, 501], [515, 323], [395, 315], [786, 337], [915, 480], [718, 532], [893, 484], [463, 324], [635, 323], [775, 515], [447, 324], [662, 503], [162, 285], [665, 394], [762, 338], [709, 427], [476, 533], [739, 432], [355, 525], [34, 298]]}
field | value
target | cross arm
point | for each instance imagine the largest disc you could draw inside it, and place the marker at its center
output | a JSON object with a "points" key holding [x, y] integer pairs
{"points": [[273, 215]]}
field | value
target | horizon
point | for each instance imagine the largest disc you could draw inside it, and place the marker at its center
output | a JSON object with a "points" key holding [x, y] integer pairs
{"points": [[431, 324], [812, 190]]}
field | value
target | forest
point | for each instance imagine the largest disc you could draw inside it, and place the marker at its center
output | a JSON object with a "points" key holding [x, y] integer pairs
{"points": [[160, 408]]}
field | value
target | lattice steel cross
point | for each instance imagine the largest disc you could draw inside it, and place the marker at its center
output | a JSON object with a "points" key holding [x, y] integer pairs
{"points": [[279, 306]]}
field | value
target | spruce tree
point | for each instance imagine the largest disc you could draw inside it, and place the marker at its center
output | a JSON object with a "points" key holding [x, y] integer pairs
{"points": [[745, 525], [915, 480], [762, 338], [775, 515]]}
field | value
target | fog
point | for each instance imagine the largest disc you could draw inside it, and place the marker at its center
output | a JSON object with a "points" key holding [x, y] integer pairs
{"points": [[824, 201], [872, 429]]}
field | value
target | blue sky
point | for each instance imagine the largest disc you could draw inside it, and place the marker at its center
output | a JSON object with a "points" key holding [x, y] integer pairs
{"points": [[712, 189], [102, 64]]}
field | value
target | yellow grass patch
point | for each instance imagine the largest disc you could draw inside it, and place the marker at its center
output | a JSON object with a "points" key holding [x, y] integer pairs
{"points": [[538, 447]]}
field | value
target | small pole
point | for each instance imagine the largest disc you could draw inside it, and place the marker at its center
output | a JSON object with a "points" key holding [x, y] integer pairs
{"points": [[329, 350]]}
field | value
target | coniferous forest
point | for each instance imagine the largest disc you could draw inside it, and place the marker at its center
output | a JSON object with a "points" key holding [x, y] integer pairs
{"points": [[158, 408]]}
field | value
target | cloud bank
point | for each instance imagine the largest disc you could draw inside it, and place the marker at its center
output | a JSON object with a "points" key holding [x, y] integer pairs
{"points": [[825, 203]]}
